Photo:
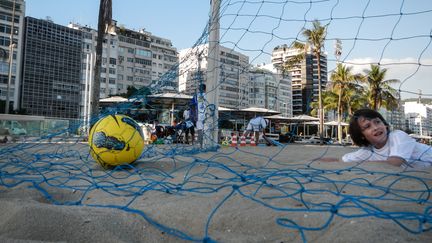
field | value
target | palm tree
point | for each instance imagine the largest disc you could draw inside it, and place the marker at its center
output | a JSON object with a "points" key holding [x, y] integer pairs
{"points": [[342, 80], [353, 99], [104, 21], [380, 91], [315, 38]]}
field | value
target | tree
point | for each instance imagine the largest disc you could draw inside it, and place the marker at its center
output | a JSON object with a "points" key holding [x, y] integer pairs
{"points": [[342, 81], [104, 21], [380, 93], [315, 38]]}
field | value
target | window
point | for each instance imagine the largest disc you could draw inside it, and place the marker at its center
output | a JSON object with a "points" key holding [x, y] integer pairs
{"points": [[143, 53], [143, 61]]}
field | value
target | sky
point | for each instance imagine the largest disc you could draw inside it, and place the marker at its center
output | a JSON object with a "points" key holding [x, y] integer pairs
{"points": [[394, 33]]}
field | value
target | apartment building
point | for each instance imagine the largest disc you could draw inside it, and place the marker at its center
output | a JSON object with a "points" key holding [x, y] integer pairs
{"points": [[51, 69], [234, 74], [270, 90], [12, 14], [396, 117], [418, 118], [129, 58], [304, 77]]}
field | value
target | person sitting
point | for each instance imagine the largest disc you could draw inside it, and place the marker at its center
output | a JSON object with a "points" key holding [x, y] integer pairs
{"points": [[157, 129]]}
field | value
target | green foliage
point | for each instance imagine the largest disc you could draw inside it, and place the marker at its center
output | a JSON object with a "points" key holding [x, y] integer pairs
{"points": [[379, 90]]}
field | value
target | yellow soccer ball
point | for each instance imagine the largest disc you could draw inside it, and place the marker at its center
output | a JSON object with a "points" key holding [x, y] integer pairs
{"points": [[116, 140]]}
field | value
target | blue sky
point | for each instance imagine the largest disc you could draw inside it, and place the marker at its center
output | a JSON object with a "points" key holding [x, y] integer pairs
{"points": [[371, 31]]}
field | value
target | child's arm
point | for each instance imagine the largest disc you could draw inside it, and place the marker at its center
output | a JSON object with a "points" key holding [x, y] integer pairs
{"points": [[396, 161]]}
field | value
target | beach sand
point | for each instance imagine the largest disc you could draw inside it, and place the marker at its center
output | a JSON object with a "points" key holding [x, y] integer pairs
{"points": [[57, 193]]}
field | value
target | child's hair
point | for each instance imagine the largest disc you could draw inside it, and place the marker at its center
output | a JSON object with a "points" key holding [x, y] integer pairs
{"points": [[354, 129]]}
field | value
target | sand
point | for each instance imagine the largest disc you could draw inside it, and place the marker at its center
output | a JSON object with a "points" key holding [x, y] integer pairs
{"points": [[57, 193]]}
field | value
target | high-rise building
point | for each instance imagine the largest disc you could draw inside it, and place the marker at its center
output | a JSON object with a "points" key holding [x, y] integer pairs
{"points": [[234, 74], [395, 117], [270, 90], [12, 13], [419, 118], [51, 69], [129, 59], [304, 76]]}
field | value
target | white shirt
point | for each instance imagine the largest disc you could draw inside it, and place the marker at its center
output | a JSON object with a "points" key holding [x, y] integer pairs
{"points": [[256, 124], [186, 114], [399, 144], [202, 110]]}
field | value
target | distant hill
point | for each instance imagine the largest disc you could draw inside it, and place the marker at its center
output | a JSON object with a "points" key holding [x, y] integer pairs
{"points": [[427, 101]]}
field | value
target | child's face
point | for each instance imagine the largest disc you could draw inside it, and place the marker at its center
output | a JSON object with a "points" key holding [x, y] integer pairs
{"points": [[374, 130]]}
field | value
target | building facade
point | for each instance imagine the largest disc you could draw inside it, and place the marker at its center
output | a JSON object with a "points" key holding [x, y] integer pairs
{"points": [[12, 13], [396, 117], [234, 74], [270, 90], [304, 77], [418, 118], [129, 59], [51, 69]]}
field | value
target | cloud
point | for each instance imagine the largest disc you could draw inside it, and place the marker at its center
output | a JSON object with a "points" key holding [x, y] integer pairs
{"points": [[415, 76]]}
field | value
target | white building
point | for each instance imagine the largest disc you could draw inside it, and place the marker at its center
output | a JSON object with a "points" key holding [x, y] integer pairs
{"points": [[234, 74], [419, 117], [129, 58], [268, 89]]}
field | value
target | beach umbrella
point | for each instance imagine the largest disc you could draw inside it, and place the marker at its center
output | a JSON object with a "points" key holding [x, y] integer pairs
{"points": [[304, 118], [113, 99]]}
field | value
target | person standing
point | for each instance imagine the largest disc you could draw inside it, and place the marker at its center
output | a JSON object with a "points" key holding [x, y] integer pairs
{"points": [[201, 114], [189, 125]]}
